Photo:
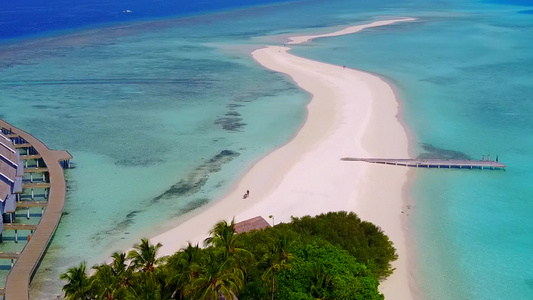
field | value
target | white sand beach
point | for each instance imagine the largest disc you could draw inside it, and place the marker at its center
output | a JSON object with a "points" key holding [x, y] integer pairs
{"points": [[352, 113]]}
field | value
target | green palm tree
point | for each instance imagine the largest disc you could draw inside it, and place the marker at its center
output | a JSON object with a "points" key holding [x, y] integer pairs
{"points": [[143, 257], [111, 280], [276, 258], [223, 237], [121, 269], [217, 279], [320, 282], [145, 286], [104, 282], [182, 268], [78, 284]]}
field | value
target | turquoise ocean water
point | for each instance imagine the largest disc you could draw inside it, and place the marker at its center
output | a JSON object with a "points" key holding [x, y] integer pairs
{"points": [[162, 117]]}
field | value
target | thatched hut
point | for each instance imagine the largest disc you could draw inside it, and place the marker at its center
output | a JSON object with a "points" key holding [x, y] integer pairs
{"points": [[256, 223]]}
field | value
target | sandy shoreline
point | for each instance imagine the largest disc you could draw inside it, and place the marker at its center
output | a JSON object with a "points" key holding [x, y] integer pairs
{"points": [[351, 113]]}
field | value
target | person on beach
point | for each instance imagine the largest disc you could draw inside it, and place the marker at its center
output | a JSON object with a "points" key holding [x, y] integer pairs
{"points": [[246, 195]]}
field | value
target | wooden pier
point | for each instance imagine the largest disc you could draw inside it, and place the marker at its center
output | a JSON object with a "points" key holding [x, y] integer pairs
{"points": [[9, 255], [33, 156], [434, 163], [35, 170], [20, 276], [19, 226], [28, 204], [36, 185], [24, 145]]}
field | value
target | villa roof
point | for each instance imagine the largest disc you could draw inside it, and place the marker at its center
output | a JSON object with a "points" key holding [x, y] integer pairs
{"points": [[7, 143], [7, 171], [5, 190], [256, 223], [8, 155]]}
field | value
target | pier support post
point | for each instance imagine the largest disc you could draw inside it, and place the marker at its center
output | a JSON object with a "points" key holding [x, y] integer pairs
{"points": [[16, 236], [44, 178], [42, 211], [37, 162], [12, 263], [28, 216], [31, 177], [46, 193], [32, 195], [26, 163]]}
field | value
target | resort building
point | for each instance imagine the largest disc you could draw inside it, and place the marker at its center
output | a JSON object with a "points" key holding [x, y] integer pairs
{"points": [[11, 172], [37, 159]]}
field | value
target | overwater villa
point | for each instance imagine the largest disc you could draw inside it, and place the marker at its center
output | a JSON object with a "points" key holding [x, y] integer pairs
{"points": [[50, 164], [11, 172]]}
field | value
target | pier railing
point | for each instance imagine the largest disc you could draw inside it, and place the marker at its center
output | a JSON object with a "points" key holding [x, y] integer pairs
{"points": [[20, 276], [434, 163]]}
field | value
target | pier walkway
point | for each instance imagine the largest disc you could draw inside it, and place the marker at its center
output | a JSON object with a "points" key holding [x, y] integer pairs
{"points": [[434, 163], [27, 204], [9, 255], [36, 170], [27, 157], [18, 279], [36, 185], [19, 226]]}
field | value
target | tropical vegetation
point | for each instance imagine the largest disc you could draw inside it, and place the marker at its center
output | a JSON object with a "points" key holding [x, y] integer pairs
{"points": [[330, 256]]}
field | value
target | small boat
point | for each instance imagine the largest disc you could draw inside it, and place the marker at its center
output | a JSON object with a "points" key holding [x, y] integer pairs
{"points": [[127, 11]]}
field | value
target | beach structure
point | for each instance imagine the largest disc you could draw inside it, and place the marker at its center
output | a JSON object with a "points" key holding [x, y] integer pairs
{"points": [[7, 204], [4, 194], [11, 172], [434, 163], [256, 223], [36, 158]]}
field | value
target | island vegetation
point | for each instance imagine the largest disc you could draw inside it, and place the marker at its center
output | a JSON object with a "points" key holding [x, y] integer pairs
{"points": [[330, 256]]}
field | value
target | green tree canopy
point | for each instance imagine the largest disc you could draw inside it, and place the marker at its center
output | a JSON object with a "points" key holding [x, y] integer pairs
{"points": [[364, 240], [330, 256], [324, 271]]}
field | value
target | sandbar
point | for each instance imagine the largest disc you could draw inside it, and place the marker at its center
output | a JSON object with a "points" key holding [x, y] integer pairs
{"points": [[351, 113]]}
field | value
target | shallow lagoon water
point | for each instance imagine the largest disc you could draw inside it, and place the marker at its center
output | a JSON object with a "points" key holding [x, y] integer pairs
{"points": [[142, 115], [162, 117], [464, 78]]}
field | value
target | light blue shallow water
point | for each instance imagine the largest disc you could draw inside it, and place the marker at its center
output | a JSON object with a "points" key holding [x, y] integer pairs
{"points": [[465, 79], [146, 109], [146, 117]]}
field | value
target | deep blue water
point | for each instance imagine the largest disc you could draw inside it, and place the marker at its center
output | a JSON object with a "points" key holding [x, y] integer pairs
{"points": [[19, 18], [513, 2]]}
